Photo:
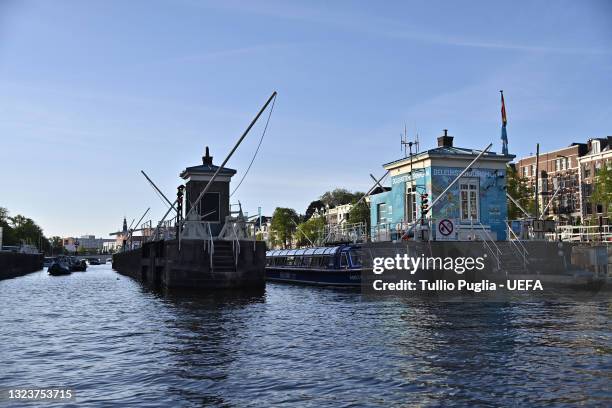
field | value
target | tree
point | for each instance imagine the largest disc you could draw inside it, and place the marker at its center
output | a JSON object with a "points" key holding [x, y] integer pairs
{"points": [[26, 230], [282, 225], [8, 235], [55, 245], [360, 213], [19, 229], [316, 205], [518, 189], [602, 189], [309, 231], [339, 196]]}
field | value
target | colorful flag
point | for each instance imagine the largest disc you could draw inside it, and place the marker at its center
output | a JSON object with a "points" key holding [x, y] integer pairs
{"points": [[504, 135]]}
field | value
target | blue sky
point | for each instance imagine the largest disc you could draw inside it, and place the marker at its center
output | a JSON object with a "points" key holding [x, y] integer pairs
{"points": [[95, 91]]}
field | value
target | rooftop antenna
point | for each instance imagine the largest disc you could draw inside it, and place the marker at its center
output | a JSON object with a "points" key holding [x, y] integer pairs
{"points": [[407, 144]]}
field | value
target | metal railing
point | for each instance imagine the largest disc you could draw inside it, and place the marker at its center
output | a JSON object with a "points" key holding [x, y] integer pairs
{"points": [[235, 246], [582, 233], [498, 253], [344, 232], [210, 244], [390, 231], [516, 239]]}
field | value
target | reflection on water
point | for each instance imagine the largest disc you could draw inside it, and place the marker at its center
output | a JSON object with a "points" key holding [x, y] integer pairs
{"points": [[114, 341]]}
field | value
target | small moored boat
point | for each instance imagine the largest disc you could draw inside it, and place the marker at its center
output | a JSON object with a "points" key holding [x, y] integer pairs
{"points": [[77, 265], [60, 266], [327, 266]]}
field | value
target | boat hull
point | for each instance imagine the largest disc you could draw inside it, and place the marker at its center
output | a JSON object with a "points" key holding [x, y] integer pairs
{"points": [[319, 277], [58, 270]]}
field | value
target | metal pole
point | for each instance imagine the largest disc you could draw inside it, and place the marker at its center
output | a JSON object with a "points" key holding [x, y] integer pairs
{"points": [[459, 176], [162, 220], [550, 202], [131, 232], [518, 205], [303, 233], [205, 190], [373, 187], [376, 181], [537, 183], [157, 189]]}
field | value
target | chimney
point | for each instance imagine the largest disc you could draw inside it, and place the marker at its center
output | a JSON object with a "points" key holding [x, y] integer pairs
{"points": [[207, 159], [445, 140]]}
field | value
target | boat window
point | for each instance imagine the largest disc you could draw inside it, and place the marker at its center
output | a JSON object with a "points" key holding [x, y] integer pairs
{"points": [[329, 261], [297, 261], [355, 259], [289, 261], [343, 260], [306, 261]]}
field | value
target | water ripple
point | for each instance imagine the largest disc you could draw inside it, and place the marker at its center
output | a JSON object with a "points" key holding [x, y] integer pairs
{"points": [[120, 344]]}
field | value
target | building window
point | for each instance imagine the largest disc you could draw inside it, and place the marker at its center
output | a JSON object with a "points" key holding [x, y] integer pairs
{"points": [[595, 146], [533, 169], [587, 171], [557, 164], [589, 208], [381, 213], [525, 171], [599, 208], [410, 211], [469, 200], [210, 206]]}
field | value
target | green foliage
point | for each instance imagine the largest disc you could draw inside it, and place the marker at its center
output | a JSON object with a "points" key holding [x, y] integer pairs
{"points": [[360, 213], [309, 231], [282, 226], [519, 190], [19, 229], [339, 196], [316, 205], [602, 193]]}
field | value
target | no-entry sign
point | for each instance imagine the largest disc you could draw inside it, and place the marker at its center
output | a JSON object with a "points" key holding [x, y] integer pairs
{"points": [[445, 227]]}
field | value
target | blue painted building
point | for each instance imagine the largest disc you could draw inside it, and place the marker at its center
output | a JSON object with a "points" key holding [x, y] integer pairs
{"points": [[476, 204]]}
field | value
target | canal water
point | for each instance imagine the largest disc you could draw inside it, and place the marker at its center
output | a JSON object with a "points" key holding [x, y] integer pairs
{"points": [[115, 342]]}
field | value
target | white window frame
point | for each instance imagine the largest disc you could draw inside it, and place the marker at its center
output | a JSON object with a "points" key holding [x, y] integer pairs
{"points": [[410, 214], [465, 184], [379, 219]]}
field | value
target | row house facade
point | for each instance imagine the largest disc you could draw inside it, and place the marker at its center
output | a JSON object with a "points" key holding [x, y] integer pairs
{"points": [[559, 172], [599, 155]]}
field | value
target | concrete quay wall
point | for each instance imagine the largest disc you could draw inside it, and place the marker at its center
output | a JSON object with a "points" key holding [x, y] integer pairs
{"points": [[14, 264]]}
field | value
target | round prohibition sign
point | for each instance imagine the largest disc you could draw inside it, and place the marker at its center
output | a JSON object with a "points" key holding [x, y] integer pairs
{"points": [[445, 227]]}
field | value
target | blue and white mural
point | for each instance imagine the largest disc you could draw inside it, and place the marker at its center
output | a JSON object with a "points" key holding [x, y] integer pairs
{"points": [[483, 199]]}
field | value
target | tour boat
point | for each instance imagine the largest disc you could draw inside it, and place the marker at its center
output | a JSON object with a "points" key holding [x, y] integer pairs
{"points": [[326, 266]]}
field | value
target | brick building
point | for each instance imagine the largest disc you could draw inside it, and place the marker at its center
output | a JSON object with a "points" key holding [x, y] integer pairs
{"points": [[599, 154], [559, 170]]}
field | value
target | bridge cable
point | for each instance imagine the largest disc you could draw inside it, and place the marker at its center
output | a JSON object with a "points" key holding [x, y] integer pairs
{"points": [[256, 150]]}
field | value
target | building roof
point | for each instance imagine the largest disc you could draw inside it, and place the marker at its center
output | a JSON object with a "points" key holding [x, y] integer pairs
{"points": [[207, 167], [305, 251], [451, 152]]}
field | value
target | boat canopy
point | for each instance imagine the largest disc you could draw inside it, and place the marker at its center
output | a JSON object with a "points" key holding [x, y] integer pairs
{"points": [[304, 251]]}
